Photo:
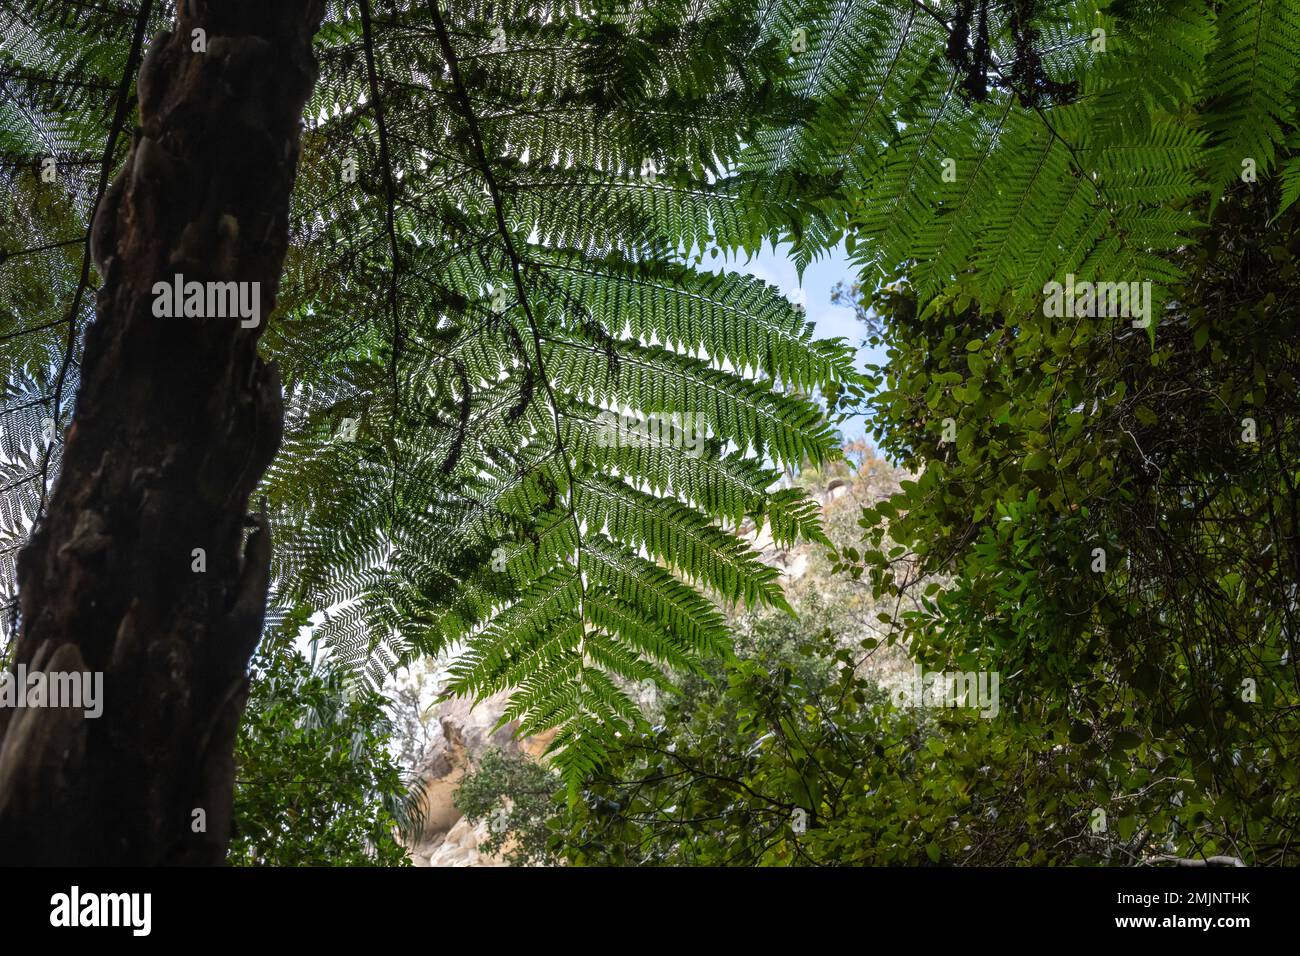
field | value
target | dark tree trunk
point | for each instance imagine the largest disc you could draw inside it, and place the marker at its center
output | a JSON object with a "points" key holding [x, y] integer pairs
{"points": [[175, 423]]}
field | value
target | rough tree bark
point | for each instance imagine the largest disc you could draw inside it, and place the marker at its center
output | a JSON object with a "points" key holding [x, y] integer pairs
{"points": [[175, 423]]}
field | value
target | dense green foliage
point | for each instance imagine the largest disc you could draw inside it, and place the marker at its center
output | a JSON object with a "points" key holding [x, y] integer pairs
{"points": [[791, 758], [1121, 525], [315, 783]]}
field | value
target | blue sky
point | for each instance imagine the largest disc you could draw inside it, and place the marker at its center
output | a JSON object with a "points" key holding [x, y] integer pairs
{"points": [[777, 268]]}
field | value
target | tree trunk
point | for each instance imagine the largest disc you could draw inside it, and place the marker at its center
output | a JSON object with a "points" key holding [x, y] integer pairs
{"points": [[140, 569]]}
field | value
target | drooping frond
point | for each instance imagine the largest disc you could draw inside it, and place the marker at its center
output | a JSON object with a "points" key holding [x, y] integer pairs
{"points": [[523, 423]]}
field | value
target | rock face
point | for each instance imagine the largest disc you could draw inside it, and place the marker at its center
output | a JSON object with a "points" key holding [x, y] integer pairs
{"points": [[462, 734], [459, 847]]}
